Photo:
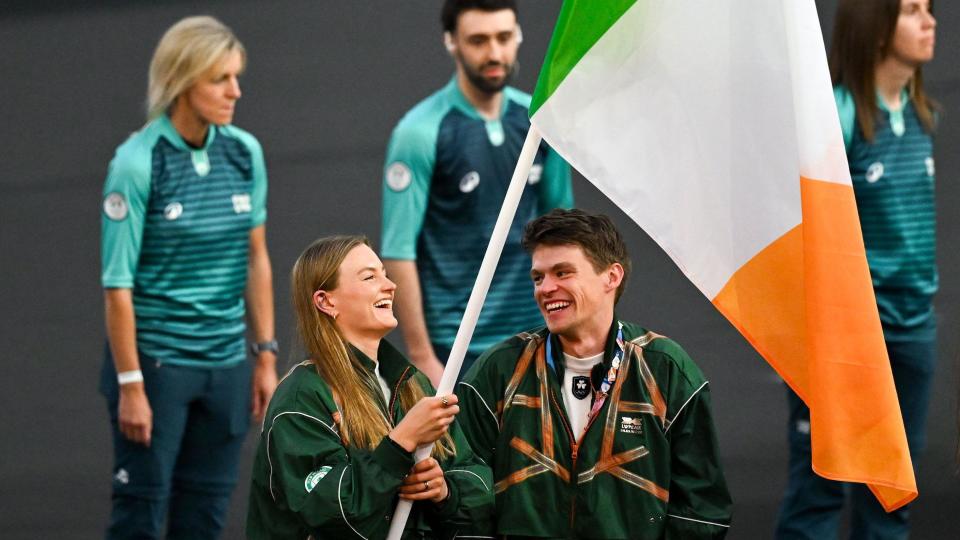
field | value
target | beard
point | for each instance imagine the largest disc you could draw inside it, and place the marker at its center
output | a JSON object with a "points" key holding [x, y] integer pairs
{"points": [[484, 84]]}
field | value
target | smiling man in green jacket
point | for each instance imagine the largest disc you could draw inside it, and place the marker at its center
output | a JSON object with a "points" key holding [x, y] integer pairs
{"points": [[594, 427]]}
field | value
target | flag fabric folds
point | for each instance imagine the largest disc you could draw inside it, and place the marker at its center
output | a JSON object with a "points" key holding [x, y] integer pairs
{"points": [[713, 126]]}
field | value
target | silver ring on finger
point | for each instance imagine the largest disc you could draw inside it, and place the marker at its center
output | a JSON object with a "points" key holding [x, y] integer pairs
{"points": [[426, 485]]}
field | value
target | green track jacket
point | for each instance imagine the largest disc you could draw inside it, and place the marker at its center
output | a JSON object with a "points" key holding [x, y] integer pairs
{"points": [[306, 482], [647, 466]]}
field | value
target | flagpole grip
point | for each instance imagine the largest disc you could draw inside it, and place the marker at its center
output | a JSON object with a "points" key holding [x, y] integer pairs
{"points": [[477, 297]]}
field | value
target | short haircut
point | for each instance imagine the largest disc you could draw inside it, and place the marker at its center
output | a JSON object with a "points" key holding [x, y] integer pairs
{"points": [[186, 51], [453, 8], [595, 234]]}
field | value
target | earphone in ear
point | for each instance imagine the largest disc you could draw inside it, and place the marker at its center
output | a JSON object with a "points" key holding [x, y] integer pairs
{"points": [[519, 35], [448, 42]]}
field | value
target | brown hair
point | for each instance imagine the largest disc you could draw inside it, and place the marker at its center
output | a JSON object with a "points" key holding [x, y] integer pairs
{"points": [[362, 423], [596, 235], [863, 36]]}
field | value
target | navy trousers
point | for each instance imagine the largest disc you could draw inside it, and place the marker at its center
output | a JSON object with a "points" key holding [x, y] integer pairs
{"points": [[186, 475], [811, 506]]}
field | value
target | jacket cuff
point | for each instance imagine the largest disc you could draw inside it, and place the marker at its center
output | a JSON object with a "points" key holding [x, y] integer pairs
{"points": [[393, 457], [448, 507]]}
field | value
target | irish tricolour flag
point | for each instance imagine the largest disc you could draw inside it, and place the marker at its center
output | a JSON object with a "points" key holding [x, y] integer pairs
{"points": [[712, 124]]}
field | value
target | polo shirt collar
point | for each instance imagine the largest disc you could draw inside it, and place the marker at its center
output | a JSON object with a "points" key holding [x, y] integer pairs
{"points": [[172, 135]]}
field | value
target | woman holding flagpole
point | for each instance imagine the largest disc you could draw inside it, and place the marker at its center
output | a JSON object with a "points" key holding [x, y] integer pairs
{"points": [[336, 450], [887, 119]]}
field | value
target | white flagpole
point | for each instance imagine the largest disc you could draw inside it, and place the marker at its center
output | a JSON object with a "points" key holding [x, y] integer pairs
{"points": [[479, 294]]}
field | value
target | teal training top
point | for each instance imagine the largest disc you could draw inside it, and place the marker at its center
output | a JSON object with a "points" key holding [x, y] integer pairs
{"points": [[445, 178], [893, 179], [176, 230]]}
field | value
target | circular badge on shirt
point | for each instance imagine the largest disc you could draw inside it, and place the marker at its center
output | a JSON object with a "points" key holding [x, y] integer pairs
{"points": [[470, 181], [398, 176], [314, 478], [115, 206], [173, 211], [874, 172]]}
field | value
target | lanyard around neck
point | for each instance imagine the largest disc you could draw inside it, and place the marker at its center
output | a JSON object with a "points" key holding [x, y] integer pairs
{"points": [[611, 376]]}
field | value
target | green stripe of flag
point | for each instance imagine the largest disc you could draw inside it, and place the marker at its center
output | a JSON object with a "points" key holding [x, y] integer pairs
{"points": [[580, 25]]}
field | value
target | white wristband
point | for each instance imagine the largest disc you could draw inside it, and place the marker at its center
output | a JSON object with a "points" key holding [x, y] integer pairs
{"points": [[128, 377]]}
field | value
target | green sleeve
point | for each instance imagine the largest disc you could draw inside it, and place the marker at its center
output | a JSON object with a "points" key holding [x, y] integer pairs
{"points": [[556, 190], [335, 492], [258, 195], [847, 109], [407, 174], [479, 392], [700, 505], [468, 512], [123, 209]]}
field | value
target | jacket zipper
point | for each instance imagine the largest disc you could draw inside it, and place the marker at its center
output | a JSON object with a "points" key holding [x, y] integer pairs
{"points": [[574, 451]]}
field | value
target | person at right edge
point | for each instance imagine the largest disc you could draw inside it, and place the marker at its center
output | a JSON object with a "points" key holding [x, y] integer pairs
{"points": [[594, 426], [887, 120]]}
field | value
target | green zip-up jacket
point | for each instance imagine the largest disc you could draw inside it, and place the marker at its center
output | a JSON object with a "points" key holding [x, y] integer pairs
{"points": [[307, 483], [646, 467]]}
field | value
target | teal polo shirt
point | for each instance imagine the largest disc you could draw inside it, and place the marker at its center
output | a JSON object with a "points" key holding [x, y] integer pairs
{"points": [[176, 224]]}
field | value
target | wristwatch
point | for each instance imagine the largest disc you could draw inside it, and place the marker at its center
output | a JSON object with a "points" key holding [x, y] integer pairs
{"points": [[271, 346]]}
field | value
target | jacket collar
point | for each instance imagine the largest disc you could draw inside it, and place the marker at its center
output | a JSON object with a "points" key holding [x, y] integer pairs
{"points": [[394, 368], [609, 350]]}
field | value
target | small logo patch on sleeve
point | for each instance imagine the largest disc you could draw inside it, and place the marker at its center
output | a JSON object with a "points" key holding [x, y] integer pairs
{"points": [[398, 176], [115, 206], [314, 478]]}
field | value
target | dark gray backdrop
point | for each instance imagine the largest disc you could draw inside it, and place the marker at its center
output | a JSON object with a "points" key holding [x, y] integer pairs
{"points": [[325, 84]]}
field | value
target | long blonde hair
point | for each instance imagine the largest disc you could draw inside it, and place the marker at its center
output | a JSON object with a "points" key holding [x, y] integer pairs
{"points": [[362, 423], [190, 48]]}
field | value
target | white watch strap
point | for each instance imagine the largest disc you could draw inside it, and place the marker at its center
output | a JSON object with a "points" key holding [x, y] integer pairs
{"points": [[128, 377]]}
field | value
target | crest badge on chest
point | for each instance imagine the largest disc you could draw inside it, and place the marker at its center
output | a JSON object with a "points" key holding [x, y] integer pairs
{"points": [[580, 387]]}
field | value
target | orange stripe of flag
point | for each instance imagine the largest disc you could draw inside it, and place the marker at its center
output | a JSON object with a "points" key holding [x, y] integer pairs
{"points": [[806, 304]]}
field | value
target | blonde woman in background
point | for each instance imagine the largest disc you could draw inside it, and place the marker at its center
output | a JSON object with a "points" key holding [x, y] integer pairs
{"points": [[184, 260], [336, 448]]}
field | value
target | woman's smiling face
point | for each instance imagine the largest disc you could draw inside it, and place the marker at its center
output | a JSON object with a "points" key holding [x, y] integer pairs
{"points": [[363, 299]]}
